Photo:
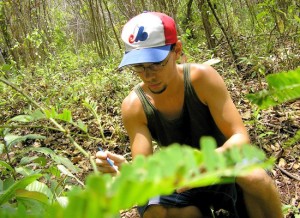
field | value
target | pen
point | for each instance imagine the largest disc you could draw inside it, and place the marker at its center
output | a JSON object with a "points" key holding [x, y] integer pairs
{"points": [[109, 161]]}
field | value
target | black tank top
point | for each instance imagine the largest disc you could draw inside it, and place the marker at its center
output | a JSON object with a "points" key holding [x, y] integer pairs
{"points": [[194, 122]]}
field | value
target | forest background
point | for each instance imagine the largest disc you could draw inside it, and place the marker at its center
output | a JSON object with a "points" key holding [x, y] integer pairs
{"points": [[59, 58]]}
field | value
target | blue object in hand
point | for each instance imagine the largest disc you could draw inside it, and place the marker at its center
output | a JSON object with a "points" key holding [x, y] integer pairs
{"points": [[109, 161]]}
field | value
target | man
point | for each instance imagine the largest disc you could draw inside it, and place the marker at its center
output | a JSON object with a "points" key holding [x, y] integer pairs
{"points": [[181, 103]]}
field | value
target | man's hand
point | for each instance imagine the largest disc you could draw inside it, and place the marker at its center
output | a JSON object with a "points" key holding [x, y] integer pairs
{"points": [[104, 166]]}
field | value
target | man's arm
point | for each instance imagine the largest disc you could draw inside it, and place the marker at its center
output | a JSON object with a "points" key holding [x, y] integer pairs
{"points": [[135, 123], [212, 91]]}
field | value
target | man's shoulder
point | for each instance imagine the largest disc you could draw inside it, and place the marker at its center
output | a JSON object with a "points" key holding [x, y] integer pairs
{"points": [[200, 71], [131, 104]]}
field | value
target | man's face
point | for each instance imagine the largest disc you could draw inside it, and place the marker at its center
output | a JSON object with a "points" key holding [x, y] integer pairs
{"points": [[154, 75]]}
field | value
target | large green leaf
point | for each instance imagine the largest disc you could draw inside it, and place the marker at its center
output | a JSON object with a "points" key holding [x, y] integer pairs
{"points": [[283, 87], [21, 184], [171, 168], [25, 194], [37, 186]]}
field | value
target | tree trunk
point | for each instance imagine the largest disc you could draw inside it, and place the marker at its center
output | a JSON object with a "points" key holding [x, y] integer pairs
{"points": [[210, 38], [228, 37], [188, 18]]}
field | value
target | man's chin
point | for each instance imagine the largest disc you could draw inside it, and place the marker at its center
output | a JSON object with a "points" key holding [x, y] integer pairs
{"points": [[158, 91]]}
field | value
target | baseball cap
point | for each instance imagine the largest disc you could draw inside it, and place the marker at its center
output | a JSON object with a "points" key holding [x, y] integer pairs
{"points": [[148, 38]]}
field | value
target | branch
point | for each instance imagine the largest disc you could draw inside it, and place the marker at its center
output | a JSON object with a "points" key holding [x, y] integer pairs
{"points": [[287, 173]]}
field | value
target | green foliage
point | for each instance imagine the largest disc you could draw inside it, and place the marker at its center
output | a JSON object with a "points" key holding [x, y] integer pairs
{"points": [[11, 139], [7, 195], [283, 87], [170, 168]]}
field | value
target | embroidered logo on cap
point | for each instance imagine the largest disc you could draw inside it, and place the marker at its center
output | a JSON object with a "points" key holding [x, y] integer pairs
{"points": [[140, 36]]}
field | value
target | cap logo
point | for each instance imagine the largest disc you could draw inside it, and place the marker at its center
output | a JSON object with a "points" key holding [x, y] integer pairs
{"points": [[140, 36]]}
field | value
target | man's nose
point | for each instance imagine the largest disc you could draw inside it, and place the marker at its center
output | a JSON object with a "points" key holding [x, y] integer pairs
{"points": [[148, 74]]}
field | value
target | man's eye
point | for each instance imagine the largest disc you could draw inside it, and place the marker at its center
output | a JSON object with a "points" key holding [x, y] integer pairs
{"points": [[157, 64]]}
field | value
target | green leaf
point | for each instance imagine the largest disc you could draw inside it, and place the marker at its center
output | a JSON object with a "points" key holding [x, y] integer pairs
{"points": [[23, 193], [51, 113], [57, 158], [82, 126], [6, 165], [63, 201], [22, 118], [208, 147], [11, 139], [43, 150], [65, 116], [6, 67], [34, 159], [9, 193], [283, 87], [68, 173], [161, 173], [37, 186], [2, 146], [26, 171], [35, 115], [38, 115], [66, 162]]}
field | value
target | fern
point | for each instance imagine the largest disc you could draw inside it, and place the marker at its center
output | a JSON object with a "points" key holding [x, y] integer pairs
{"points": [[283, 87], [171, 168]]}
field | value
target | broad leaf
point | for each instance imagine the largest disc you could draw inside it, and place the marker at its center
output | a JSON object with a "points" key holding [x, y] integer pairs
{"points": [[11, 139], [25, 194], [21, 184], [283, 87], [37, 186]]}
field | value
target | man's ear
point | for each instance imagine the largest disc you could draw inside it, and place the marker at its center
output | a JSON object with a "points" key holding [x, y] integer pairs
{"points": [[178, 49]]}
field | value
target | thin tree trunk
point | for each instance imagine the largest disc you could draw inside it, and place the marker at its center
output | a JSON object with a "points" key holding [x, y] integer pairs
{"points": [[228, 38], [95, 32], [113, 26], [211, 43], [188, 17]]}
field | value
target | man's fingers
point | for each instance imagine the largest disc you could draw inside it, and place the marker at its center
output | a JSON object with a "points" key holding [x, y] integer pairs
{"points": [[104, 157]]}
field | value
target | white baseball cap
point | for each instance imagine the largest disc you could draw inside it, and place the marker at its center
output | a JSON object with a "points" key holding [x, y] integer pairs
{"points": [[148, 38]]}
